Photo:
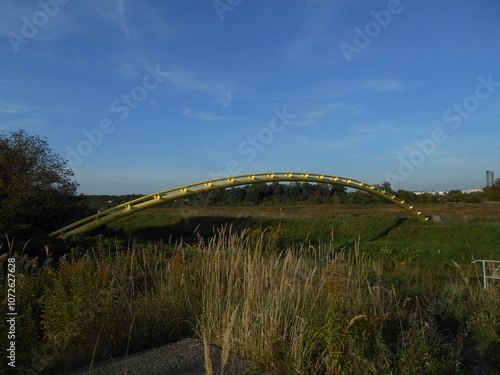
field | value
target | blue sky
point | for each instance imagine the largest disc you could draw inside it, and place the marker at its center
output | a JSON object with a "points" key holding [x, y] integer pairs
{"points": [[146, 96]]}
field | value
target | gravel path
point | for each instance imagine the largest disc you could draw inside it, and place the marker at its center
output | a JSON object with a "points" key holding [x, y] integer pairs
{"points": [[185, 357]]}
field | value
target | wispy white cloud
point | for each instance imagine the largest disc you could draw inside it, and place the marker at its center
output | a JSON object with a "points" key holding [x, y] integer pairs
{"points": [[220, 93], [33, 124], [60, 22], [315, 115], [201, 116], [327, 144], [313, 41], [121, 18], [8, 110], [384, 86], [344, 90], [11, 14], [370, 86], [67, 20], [224, 100], [371, 128], [114, 13], [14, 108]]}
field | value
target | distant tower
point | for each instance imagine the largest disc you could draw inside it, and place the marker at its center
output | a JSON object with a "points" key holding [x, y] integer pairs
{"points": [[490, 179]]}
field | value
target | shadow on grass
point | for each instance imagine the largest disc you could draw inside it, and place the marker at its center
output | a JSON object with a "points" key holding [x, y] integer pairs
{"points": [[189, 229]]}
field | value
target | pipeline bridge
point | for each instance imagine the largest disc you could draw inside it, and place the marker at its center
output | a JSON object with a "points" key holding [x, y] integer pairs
{"points": [[151, 200]]}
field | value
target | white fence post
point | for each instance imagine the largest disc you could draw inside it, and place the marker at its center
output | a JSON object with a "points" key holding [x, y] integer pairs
{"points": [[491, 270]]}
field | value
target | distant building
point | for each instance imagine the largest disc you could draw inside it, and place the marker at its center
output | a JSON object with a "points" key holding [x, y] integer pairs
{"points": [[470, 191], [490, 179], [431, 192]]}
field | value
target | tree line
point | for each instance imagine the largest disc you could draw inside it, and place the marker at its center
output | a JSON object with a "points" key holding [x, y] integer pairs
{"points": [[299, 193], [38, 194], [322, 193]]}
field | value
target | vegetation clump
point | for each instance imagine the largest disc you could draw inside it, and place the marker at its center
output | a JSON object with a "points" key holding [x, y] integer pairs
{"points": [[37, 193], [296, 310]]}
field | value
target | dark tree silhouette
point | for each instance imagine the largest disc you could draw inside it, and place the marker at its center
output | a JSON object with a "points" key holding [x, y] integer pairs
{"points": [[37, 193]]}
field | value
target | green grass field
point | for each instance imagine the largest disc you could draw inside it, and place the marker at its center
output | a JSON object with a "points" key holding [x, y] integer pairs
{"points": [[296, 289], [472, 233]]}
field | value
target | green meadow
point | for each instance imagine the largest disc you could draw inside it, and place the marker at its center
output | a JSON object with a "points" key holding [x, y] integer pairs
{"points": [[385, 231], [296, 289]]}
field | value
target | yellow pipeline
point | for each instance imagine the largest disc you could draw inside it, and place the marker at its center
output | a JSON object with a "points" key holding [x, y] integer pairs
{"points": [[155, 199]]}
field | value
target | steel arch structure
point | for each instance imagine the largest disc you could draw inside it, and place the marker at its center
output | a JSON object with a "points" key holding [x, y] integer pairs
{"points": [[155, 199]]}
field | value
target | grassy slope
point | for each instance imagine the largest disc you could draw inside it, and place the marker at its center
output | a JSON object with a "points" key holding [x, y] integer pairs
{"points": [[460, 241], [291, 312], [381, 230]]}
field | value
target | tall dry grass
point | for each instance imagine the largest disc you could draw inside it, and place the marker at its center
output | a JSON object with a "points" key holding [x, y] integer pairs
{"points": [[333, 314], [301, 310], [260, 304]]}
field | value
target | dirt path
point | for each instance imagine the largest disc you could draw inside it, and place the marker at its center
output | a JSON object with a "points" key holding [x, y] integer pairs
{"points": [[185, 357]]}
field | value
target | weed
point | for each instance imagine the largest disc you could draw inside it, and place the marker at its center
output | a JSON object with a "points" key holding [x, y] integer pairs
{"points": [[298, 309]]}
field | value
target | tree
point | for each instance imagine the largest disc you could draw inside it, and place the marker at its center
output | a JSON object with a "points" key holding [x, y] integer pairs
{"points": [[455, 196], [235, 196], [255, 194], [386, 186], [37, 194], [407, 196], [493, 192], [427, 198]]}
